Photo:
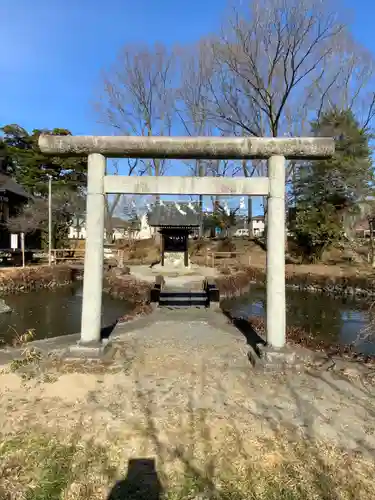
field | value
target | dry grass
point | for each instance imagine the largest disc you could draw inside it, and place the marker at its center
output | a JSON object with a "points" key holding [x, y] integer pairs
{"points": [[298, 336], [147, 251], [89, 426], [34, 277], [323, 278], [141, 251], [44, 465], [123, 286]]}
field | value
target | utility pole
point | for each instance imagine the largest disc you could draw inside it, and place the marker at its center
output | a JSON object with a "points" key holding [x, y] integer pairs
{"points": [[49, 220]]}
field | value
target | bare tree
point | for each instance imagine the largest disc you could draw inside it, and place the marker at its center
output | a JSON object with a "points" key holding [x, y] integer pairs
{"points": [[34, 216], [112, 202], [191, 109], [279, 63], [191, 96], [138, 98], [353, 89], [131, 209]]}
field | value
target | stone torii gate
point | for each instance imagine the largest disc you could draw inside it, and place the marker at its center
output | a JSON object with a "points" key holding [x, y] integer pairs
{"points": [[275, 150]]}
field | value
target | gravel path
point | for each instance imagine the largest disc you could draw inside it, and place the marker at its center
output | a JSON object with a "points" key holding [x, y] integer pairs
{"points": [[197, 355]]}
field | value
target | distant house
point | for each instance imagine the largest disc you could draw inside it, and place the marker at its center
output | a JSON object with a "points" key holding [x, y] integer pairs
{"points": [[77, 229], [120, 229], [13, 198], [258, 225]]}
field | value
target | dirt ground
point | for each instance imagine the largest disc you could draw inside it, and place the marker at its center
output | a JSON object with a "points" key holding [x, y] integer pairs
{"points": [[182, 393], [336, 262]]}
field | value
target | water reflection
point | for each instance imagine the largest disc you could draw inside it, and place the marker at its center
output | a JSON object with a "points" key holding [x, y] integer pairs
{"points": [[338, 320], [52, 313]]}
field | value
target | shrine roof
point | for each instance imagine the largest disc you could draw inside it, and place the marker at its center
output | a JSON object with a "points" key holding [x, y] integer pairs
{"points": [[173, 214]]}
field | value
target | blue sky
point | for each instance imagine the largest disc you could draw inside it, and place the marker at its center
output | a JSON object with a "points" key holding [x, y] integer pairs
{"points": [[53, 51]]}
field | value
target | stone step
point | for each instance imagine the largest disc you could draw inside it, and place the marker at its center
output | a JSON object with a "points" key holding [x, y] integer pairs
{"points": [[180, 307], [182, 293], [183, 298], [186, 302]]}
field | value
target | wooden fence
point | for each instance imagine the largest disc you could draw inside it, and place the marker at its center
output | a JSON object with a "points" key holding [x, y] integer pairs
{"points": [[212, 257], [78, 254]]}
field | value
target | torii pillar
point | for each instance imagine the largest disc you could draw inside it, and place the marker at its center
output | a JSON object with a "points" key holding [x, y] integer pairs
{"points": [[275, 150]]}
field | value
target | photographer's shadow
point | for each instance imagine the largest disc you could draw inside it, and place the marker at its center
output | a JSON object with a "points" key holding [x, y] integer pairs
{"points": [[141, 482]]}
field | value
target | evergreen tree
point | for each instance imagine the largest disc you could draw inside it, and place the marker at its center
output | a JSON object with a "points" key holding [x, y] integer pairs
{"points": [[325, 190], [23, 160]]}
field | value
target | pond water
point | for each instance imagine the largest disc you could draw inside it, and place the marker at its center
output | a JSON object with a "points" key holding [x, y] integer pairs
{"points": [[52, 313], [339, 320]]}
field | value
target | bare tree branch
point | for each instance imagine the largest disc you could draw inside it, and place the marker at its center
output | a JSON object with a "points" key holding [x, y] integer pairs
{"points": [[280, 64], [138, 98]]}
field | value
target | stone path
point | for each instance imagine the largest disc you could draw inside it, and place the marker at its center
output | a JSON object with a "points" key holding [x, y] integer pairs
{"points": [[175, 278], [178, 355], [179, 367]]}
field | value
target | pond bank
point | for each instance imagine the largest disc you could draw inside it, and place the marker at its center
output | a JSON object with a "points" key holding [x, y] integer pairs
{"points": [[236, 279], [299, 337], [119, 284], [27, 279], [320, 337], [337, 326]]}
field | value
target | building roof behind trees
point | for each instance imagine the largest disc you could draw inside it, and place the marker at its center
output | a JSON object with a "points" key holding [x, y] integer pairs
{"points": [[10, 185]]}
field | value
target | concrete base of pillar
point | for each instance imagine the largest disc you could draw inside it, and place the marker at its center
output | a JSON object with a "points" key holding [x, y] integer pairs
{"points": [[268, 358], [90, 351]]}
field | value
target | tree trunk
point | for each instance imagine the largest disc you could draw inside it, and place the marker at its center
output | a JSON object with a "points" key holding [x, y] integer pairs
{"points": [[372, 253]]}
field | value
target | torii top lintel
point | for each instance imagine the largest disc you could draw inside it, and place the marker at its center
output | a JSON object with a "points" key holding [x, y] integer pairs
{"points": [[231, 148]]}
